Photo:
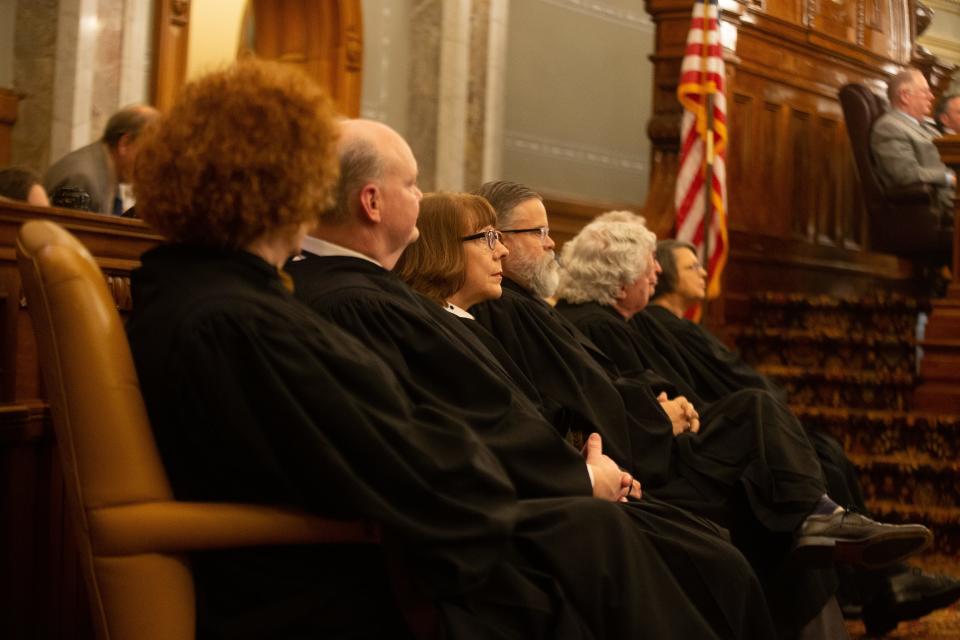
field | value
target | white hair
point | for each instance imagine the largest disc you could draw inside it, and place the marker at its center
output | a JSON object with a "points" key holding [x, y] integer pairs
{"points": [[621, 216], [608, 254]]}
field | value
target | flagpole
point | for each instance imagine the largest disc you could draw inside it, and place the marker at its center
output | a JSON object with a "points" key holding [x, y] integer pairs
{"points": [[707, 197]]}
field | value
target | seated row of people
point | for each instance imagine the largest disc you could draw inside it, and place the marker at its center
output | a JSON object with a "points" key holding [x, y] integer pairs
{"points": [[608, 273], [284, 361]]}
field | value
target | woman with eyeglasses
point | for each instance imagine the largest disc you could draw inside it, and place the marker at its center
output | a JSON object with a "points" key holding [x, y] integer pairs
{"points": [[456, 262]]}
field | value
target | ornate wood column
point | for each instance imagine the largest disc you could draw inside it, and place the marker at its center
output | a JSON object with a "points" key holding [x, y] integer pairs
{"points": [[171, 39], [325, 39]]}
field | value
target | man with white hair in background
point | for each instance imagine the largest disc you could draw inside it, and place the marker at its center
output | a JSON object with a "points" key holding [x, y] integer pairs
{"points": [[901, 141]]}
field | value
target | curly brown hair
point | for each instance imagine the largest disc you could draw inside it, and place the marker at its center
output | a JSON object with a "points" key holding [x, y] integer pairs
{"points": [[244, 151], [434, 265]]}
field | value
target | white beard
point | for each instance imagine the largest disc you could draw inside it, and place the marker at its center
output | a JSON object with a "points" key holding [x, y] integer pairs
{"points": [[542, 277]]}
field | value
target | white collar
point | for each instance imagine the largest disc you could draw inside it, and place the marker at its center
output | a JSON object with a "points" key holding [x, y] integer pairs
{"points": [[325, 248], [457, 311]]}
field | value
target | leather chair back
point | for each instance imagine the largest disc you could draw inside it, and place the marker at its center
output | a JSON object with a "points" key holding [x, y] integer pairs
{"points": [[861, 108], [131, 532]]}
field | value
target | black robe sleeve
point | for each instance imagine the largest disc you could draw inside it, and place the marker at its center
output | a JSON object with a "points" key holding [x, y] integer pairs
{"points": [[577, 392], [717, 371], [436, 371], [268, 412]]}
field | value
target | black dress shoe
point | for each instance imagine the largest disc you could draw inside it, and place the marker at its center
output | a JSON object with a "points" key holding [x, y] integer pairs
{"points": [[908, 595], [852, 538]]}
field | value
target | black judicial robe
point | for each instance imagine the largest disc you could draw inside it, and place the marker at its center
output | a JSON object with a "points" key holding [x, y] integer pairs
{"points": [[718, 371], [253, 398], [581, 385], [653, 560], [748, 431], [751, 466]]}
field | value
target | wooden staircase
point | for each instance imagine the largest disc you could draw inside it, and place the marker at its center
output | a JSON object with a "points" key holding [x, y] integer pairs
{"points": [[849, 365]]}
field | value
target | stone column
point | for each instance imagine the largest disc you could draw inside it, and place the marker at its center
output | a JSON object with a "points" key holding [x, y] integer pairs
{"points": [[451, 112], [34, 55]]}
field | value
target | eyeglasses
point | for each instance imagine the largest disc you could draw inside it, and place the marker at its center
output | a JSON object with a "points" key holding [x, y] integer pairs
{"points": [[492, 237], [543, 231]]}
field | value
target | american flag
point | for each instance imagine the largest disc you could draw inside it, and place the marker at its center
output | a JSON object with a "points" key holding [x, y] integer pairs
{"points": [[703, 144]]}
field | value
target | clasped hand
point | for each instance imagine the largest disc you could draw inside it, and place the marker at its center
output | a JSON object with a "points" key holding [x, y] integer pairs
{"points": [[609, 481], [681, 412]]}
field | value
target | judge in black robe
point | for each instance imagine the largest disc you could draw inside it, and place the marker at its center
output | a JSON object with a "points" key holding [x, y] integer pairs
{"points": [[440, 366], [575, 376], [554, 354], [253, 398], [717, 371]]}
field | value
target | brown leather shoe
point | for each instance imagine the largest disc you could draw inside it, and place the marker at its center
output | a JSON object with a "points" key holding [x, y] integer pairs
{"points": [[852, 538]]}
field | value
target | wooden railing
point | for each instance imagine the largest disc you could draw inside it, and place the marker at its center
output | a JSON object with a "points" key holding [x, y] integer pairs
{"points": [[939, 389]]}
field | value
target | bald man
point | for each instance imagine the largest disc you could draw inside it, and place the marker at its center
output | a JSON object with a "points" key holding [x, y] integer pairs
{"points": [[630, 569]]}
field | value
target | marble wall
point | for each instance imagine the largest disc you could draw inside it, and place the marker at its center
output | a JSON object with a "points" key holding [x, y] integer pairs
{"points": [[35, 52], [515, 89], [75, 63], [578, 98], [555, 93]]}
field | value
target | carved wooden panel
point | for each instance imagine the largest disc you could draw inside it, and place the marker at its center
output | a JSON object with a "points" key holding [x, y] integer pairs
{"points": [[791, 180], [836, 18], [171, 35], [799, 163], [325, 39]]}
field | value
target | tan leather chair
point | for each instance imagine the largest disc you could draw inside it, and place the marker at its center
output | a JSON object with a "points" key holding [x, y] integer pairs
{"points": [[132, 533]]}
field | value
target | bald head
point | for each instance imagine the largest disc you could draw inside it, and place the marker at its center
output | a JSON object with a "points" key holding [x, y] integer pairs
{"points": [[367, 149], [377, 198]]}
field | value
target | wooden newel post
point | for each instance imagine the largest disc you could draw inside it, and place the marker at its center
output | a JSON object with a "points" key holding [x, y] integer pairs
{"points": [[939, 389]]}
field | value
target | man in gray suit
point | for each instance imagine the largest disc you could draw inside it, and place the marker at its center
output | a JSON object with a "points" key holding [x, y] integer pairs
{"points": [[99, 169], [902, 141]]}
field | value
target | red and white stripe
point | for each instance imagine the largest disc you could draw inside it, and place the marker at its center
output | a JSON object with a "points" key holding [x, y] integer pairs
{"points": [[702, 73]]}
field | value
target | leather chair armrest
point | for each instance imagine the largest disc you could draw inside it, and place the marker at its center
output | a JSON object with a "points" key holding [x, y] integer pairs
{"points": [[911, 193], [177, 527]]}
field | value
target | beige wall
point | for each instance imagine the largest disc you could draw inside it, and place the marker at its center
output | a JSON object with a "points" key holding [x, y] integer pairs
{"points": [[577, 98], [214, 34]]}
